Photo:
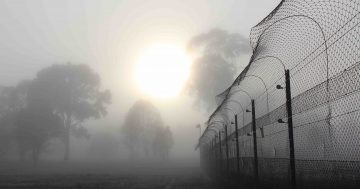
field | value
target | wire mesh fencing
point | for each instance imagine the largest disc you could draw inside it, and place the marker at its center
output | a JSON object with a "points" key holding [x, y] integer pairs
{"points": [[291, 118]]}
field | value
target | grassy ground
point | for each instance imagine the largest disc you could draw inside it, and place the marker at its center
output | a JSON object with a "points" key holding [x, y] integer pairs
{"points": [[94, 175]]}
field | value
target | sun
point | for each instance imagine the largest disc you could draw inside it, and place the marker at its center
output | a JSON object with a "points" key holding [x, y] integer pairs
{"points": [[162, 71]]}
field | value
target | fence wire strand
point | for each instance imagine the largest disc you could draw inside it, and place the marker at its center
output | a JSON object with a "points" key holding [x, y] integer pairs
{"points": [[319, 43]]}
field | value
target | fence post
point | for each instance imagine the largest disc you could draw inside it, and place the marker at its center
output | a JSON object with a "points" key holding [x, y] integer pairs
{"points": [[256, 172], [220, 150], [227, 149], [212, 153], [201, 157], [290, 129], [237, 145], [216, 158]]}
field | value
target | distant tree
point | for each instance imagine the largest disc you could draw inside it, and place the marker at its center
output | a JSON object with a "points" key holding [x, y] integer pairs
{"points": [[163, 142], [35, 126], [74, 94], [140, 126], [6, 133], [215, 68], [12, 100]]}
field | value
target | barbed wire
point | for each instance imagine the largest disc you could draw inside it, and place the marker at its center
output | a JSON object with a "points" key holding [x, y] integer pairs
{"points": [[318, 42]]}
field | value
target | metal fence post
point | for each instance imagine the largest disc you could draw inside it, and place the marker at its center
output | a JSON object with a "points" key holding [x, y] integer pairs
{"points": [[212, 151], [237, 145], [227, 149], [216, 156], [290, 129], [220, 150], [256, 171], [201, 157]]}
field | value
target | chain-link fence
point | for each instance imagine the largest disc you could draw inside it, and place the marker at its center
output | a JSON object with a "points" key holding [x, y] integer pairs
{"points": [[291, 118]]}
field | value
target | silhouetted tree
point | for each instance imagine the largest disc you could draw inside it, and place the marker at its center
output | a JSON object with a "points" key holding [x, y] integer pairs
{"points": [[6, 132], [12, 100], [35, 126], [163, 142], [74, 94], [140, 126], [215, 68]]}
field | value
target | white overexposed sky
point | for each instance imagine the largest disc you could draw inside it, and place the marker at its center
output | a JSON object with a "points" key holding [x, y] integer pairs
{"points": [[110, 35]]}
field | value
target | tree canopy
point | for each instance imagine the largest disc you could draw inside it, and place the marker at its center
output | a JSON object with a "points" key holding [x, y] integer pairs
{"points": [[54, 104], [35, 126], [215, 66], [73, 91], [27, 119], [163, 142], [12, 100], [141, 129]]}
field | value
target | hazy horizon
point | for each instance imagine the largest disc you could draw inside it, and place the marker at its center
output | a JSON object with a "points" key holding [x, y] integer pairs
{"points": [[110, 36]]}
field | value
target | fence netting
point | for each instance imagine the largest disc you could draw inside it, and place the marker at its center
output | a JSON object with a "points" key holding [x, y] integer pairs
{"points": [[318, 41]]}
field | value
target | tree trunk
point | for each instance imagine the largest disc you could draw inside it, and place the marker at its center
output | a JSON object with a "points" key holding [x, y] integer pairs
{"points": [[67, 138]]}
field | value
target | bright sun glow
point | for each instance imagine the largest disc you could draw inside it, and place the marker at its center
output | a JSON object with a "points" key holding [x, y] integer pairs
{"points": [[162, 71]]}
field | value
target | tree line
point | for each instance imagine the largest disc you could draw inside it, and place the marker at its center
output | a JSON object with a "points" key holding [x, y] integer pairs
{"points": [[55, 105], [52, 105]]}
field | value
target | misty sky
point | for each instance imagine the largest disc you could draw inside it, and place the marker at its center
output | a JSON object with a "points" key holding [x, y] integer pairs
{"points": [[110, 35]]}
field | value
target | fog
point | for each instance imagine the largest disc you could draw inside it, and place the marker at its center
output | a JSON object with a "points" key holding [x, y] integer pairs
{"points": [[109, 38]]}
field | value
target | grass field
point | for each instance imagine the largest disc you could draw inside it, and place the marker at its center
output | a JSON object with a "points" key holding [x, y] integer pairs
{"points": [[109, 175]]}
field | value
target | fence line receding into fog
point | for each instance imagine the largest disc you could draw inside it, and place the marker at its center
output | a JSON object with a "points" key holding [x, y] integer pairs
{"points": [[296, 104]]}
